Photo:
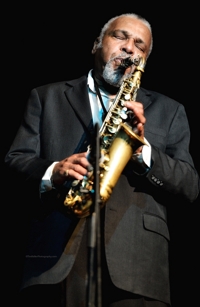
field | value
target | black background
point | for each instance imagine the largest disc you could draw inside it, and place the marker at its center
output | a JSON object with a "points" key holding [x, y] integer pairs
{"points": [[43, 44]]}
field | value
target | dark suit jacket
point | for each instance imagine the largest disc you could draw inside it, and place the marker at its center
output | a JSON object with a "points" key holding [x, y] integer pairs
{"points": [[56, 124]]}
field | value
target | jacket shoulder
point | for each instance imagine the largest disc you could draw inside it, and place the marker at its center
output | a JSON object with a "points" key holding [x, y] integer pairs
{"points": [[156, 96], [54, 86]]}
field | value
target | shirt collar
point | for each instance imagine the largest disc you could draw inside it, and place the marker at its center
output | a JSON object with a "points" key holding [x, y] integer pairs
{"points": [[90, 82]]}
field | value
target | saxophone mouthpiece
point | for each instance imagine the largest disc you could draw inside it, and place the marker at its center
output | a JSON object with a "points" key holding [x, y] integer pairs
{"points": [[130, 61]]}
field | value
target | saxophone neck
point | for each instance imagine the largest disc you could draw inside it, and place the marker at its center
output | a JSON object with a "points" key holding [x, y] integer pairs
{"points": [[141, 65]]}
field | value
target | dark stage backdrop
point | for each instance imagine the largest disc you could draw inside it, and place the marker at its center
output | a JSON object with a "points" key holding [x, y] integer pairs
{"points": [[48, 44]]}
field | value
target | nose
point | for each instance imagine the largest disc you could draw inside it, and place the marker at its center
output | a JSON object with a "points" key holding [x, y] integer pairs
{"points": [[128, 46]]}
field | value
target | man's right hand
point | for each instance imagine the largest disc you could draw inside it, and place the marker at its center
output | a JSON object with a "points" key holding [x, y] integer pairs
{"points": [[72, 167]]}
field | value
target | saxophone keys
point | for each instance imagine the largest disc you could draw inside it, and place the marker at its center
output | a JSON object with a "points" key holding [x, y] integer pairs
{"points": [[75, 183], [106, 139], [127, 96], [123, 114], [112, 129], [116, 120]]}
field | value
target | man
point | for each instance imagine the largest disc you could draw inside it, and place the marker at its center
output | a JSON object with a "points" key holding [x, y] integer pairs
{"points": [[50, 152]]}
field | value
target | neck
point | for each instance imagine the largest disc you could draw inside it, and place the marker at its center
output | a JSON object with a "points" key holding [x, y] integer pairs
{"points": [[108, 89]]}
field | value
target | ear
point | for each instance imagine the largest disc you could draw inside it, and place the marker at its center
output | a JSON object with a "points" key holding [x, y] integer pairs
{"points": [[96, 42]]}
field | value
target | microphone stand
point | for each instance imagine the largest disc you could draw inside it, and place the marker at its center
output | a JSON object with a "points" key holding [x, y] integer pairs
{"points": [[94, 244]]}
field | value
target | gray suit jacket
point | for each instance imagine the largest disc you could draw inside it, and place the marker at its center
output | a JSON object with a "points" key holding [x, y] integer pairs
{"points": [[57, 123]]}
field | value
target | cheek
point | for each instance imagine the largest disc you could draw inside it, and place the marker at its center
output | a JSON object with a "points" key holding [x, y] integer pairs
{"points": [[109, 50], [105, 54]]}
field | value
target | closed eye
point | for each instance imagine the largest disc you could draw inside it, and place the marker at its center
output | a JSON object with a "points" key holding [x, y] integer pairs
{"points": [[120, 34]]}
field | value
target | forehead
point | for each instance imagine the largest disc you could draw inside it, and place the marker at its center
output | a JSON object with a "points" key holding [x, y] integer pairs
{"points": [[134, 27]]}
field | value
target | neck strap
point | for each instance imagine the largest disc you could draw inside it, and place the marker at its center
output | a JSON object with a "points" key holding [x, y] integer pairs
{"points": [[99, 95]]}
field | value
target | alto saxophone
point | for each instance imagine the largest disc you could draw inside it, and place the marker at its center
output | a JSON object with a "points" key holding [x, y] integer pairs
{"points": [[118, 142]]}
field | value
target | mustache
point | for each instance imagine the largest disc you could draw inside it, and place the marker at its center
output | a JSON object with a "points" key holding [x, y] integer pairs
{"points": [[126, 61], [122, 56]]}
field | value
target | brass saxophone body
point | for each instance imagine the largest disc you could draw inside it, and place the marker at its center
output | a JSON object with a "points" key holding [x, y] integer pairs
{"points": [[118, 142]]}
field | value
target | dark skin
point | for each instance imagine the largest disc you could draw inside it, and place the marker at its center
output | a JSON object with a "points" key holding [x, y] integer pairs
{"points": [[125, 35]]}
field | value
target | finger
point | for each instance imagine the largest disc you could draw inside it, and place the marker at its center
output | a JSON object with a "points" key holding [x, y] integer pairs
{"points": [[71, 174], [78, 160], [66, 173], [140, 128], [75, 171]]}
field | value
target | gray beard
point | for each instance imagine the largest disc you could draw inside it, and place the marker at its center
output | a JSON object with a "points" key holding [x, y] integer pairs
{"points": [[114, 77]]}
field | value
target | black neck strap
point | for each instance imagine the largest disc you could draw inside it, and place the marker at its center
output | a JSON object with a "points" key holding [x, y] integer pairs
{"points": [[99, 95]]}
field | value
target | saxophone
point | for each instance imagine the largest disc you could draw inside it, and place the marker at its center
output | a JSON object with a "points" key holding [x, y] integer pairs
{"points": [[118, 141]]}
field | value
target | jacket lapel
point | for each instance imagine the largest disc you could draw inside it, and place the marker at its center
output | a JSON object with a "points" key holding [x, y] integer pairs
{"points": [[144, 97], [77, 95]]}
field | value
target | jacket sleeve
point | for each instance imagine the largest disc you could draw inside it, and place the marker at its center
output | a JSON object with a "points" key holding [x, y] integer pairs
{"points": [[172, 168], [23, 161]]}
